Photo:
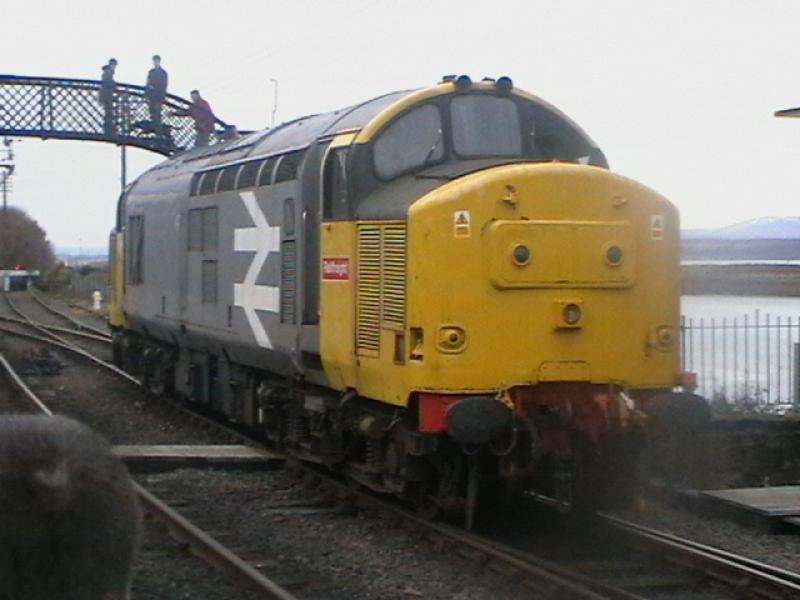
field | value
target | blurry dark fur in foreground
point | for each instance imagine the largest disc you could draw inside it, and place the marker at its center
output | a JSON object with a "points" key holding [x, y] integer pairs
{"points": [[69, 517]]}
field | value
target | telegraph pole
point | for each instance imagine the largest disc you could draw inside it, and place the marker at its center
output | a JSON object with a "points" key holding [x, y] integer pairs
{"points": [[7, 168], [123, 166], [274, 102]]}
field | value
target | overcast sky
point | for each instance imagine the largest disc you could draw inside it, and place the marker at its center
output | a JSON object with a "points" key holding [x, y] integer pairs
{"points": [[679, 94]]}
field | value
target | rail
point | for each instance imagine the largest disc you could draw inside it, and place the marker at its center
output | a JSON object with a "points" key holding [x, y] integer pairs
{"points": [[536, 573], [739, 573], [209, 549], [202, 544], [69, 318], [57, 341], [55, 328], [753, 579]]}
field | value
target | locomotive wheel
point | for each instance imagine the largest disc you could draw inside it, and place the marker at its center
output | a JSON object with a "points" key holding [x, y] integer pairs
{"points": [[157, 385], [157, 379], [117, 351], [578, 483], [473, 484], [435, 497], [564, 487], [426, 504]]}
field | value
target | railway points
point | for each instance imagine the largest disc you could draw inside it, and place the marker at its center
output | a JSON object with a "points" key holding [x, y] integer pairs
{"points": [[71, 320]]}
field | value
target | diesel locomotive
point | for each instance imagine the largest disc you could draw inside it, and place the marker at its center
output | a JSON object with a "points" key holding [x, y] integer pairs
{"points": [[426, 292]]}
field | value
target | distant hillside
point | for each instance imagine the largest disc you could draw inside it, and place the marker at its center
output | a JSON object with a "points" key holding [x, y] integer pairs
{"points": [[765, 238], [75, 257], [763, 228], [82, 250]]}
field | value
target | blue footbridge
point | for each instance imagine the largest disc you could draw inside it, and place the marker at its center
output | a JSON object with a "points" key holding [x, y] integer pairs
{"points": [[69, 109]]}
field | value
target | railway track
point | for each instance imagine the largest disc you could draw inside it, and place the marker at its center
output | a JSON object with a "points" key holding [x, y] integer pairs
{"points": [[45, 335], [67, 332], [746, 577], [692, 570], [631, 563], [58, 330], [76, 323], [180, 528], [535, 573]]}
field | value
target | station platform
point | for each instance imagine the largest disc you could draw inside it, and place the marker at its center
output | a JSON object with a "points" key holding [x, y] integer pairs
{"points": [[158, 458], [776, 509]]}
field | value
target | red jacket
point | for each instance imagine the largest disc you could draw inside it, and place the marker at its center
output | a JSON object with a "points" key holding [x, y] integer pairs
{"points": [[202, 114]]}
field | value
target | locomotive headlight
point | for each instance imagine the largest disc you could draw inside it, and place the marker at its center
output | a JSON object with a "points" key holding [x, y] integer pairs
{"points": [[504, 85], [571, 313], [614, 255], [463, 83], [567, 314], [451, 339], [521, 255]]}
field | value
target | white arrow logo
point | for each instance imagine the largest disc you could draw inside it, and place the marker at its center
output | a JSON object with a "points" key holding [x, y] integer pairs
{"points": [[261, 239]]}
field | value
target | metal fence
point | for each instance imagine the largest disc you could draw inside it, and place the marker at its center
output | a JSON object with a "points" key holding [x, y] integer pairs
{"points": [[751, 359]]}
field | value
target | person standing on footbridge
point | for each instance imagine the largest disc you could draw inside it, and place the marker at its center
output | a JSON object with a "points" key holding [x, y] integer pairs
{"points": [[156, 92]]}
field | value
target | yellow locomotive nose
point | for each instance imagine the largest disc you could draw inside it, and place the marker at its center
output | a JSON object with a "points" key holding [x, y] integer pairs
{"points": [[569, 282]]}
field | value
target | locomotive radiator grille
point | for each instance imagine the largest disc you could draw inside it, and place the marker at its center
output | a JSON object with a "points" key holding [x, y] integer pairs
{"points": [[369, 290], [381, 283], [393, 291], [288, 281]]}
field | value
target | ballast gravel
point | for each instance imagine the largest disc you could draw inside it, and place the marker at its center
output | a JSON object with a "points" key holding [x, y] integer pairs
{"points": [[306, 542], [780, 550]]}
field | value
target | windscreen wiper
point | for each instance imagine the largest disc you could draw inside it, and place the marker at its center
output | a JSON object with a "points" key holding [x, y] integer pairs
{"points": [[433, 149]]}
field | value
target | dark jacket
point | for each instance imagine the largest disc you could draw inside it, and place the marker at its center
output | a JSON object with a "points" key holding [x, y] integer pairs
{"points": [[107, 85], [156, 86]]}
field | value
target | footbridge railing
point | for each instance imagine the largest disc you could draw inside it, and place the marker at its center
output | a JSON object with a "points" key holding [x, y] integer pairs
{"points": [[69, 109]]}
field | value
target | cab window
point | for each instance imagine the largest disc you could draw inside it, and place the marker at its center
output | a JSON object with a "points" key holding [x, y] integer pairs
{"points": [[412, 141], [334, 184], [484, 126]]}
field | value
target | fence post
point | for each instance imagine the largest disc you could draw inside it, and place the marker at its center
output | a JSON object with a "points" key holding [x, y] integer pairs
{"points": [[796, 382]]}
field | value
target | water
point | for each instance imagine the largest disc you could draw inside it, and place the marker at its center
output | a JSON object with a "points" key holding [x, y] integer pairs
{"points": [[737, 306], [743, 347], [745, 262]]}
